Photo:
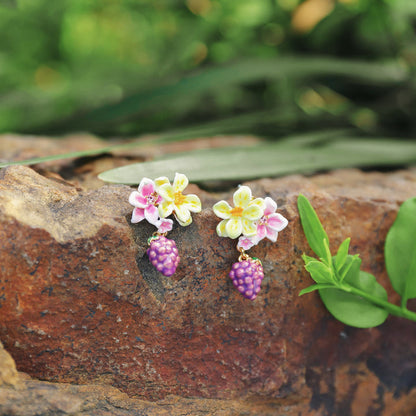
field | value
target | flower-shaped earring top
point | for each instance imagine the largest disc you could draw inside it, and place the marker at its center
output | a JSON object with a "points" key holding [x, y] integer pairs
{"points": [[156, 200], [251, 220], [242, 218], [174, 201]]}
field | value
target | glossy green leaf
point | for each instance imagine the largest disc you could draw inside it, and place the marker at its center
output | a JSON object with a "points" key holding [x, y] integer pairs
{"points": [[312, 227], [342, 253], [354, 310], [351, 262], [319, 272], [400, 251], [312, 288], [307, 259]]}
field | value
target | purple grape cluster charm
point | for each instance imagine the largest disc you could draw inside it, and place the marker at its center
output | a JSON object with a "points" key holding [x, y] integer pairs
{"points": [[163, 254], [247, 276]]}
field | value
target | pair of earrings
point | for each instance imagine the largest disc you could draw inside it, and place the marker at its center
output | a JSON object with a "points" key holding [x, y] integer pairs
{"points": [[250, 220]]}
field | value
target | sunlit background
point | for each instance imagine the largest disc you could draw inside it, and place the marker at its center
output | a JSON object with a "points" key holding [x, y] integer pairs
{"points": [[127, 67]]}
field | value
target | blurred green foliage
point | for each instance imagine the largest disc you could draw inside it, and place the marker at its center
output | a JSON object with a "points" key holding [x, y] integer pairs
{"points": [[124, 67]]}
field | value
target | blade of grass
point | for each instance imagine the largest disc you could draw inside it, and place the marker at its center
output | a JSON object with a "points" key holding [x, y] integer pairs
{"points": [[269, 159]]}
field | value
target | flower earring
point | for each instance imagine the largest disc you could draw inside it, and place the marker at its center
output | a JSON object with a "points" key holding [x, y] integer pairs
{"points": [[250, 220], [155, 201]]}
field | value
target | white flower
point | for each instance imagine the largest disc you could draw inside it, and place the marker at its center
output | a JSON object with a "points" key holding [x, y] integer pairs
{"points": [[174, 201], [242, 218]]}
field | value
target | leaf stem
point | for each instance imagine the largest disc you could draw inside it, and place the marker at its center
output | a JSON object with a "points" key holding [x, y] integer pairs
{"points": [[395, 310]]}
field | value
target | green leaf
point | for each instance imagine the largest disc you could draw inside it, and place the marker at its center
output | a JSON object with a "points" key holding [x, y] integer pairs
{"points": [[354, 310], [342, 254], [320, 272], [307, 259], [328, 258], [400, 251], [312, 288], [351, 264], [312, 227], [268, 159]]}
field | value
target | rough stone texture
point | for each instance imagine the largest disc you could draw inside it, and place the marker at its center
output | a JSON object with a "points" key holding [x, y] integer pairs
{"points": [[35, 397], [8, 372], [80, 302]]}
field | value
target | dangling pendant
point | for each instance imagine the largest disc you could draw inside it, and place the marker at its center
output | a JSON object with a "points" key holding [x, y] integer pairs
{"points": [[154, 201], [163, 254], [250, 220], [247, 275]]}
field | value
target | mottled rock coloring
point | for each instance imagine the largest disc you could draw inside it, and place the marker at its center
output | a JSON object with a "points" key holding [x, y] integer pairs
{"points": [[81, 303]]}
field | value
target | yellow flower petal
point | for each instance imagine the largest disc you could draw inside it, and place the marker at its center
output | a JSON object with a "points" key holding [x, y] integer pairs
{"points": [[166, 192], [259, 202], [180, 182], [182, 213], [249, 227], [221, 231], [222, 209], [165, 209], [252, 213], [193, 203], [161, 181], [184, 224], [234, 227], [242, 196]]}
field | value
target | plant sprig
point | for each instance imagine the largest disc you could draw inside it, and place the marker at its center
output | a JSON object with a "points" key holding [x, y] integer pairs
{"points": [[351, 295]]}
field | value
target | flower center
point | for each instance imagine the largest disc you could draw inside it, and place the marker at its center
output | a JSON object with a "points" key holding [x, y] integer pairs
{"points": [[179, 199], [237, 212], [263, 220], [151, 199]]}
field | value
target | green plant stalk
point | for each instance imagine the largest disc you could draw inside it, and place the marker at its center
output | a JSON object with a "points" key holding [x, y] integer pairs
{"points": [[390, 307]]}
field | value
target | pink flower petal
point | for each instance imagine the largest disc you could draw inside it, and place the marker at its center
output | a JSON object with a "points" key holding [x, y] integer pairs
{"points": [[152, 214], [261, 231], [246, 243], [137, 200], [277, 222], [146, 187], [271, 234], [164, 225], [138, 215], [271, 206]]}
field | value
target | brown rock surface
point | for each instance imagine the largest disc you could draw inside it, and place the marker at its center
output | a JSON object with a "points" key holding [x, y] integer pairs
{"points": [[8, 372], [79, 302]]}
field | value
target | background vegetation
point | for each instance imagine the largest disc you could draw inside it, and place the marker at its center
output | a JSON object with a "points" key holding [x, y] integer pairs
{"points": [[271, 67]]}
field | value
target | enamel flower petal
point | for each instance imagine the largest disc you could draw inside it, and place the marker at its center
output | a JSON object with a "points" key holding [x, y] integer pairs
{"points": [[242, 197], [222, 209], [180, 182], [137, 215], [234, 227], [174, 201], [241, 218], [145, 201], [192, 203], [277, 221]]}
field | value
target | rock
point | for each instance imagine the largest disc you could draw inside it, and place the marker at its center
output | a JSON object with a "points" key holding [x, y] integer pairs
{"points": [[80, 303], [8, 372], [44, 398]]}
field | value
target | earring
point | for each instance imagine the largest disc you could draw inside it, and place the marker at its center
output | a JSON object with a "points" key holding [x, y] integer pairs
{"points": [[156, 200], [250, 220]]}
